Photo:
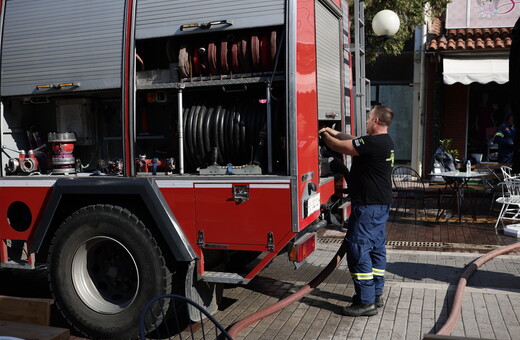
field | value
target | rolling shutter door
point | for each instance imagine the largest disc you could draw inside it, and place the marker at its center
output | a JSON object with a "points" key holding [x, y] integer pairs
{"points": [[160, 18], [54, 41], [328, 61]]}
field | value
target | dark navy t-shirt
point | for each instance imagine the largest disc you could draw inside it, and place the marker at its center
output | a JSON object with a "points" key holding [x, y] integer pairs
{"points": [[371, 172]]}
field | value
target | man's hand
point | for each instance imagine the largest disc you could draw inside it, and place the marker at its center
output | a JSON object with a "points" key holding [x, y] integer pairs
{"points": [[338, 141]]}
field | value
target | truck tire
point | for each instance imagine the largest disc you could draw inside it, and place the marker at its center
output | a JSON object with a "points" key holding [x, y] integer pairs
{"points": [[104, 266]]}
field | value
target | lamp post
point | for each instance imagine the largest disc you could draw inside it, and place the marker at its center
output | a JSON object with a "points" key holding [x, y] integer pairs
{"points": [[385, 23]]}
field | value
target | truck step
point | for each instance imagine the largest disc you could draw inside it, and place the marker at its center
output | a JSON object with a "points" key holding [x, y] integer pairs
{"points": [[222, 277]]}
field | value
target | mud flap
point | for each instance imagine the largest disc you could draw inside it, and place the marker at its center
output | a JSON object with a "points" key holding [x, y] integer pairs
{"points": [[202, 292]]}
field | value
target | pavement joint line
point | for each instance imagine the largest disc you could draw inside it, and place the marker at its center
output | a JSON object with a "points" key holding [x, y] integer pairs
{"points": [[452, 287], [421, 244], [436, 286], [324, 245], [446, 253]]}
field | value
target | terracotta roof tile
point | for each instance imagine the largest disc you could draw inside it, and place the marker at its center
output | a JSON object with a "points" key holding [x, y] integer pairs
{"points": [[468, 39], [435, 27], [470, 44], [479, 42], [508, 41], [499, 43], [443, 43]]}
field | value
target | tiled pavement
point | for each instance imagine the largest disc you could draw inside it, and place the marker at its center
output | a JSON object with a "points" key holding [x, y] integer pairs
{"points": [[418, 295]]}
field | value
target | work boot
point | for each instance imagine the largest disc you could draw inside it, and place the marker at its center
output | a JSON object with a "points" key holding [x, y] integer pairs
{"points": [[359, 309], [379, 301]]}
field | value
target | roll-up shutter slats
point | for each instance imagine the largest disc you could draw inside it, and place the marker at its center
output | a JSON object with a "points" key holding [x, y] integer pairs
{"points": [[328, 55], [50, 42], [160, 18]]}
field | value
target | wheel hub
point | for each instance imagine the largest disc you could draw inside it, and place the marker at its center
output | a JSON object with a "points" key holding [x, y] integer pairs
{"points": [[105, 275]]}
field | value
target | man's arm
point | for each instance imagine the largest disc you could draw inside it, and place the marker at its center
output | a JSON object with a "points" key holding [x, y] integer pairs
{"points": [[337, 134], [338, 141]]}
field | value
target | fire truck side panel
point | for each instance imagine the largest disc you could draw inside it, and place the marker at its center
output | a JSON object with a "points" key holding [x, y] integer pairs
{"points": [[305, 112], [109, 191], [180, 199], [231, 214], [21, 207]]}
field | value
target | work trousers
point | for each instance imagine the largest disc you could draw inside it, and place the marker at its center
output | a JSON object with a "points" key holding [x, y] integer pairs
{"points": [[366, 251]]}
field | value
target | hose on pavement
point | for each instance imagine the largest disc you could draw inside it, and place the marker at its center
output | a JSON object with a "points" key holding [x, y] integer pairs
{"points": [[333, 264], [459, 293]]}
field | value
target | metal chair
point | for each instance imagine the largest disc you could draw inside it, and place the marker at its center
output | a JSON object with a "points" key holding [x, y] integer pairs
{"points": [[507, 171], [510, 201], [491, 183], [167, 317], [409, 186]]}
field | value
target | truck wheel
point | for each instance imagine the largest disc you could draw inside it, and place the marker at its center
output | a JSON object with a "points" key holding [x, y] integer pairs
{"points": [[104, 266]]}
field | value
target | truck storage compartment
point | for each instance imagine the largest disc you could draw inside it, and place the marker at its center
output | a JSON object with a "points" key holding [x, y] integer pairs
{"points": [[228, 91], [223, 92], [63, 135], [56, 46], [222, 133]]}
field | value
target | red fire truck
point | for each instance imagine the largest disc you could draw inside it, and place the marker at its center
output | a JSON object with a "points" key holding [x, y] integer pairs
{"points": [[156, 146]]}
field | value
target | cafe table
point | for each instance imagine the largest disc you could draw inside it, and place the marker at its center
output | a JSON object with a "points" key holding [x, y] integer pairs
{"points": [[457, 181]]}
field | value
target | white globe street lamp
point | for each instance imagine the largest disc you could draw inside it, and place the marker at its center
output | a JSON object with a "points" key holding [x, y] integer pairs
{"points": [[385, 23]]}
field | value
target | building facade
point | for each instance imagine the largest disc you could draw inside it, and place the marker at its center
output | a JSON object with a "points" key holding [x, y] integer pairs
{"points": [[467, 74]]}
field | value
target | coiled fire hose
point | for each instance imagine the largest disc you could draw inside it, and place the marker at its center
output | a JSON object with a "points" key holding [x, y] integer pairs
{"points": [[459, 293], [333, 264]]}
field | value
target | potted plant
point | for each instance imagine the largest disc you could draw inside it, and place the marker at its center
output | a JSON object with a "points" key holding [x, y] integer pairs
{"points": [[445, 144]]}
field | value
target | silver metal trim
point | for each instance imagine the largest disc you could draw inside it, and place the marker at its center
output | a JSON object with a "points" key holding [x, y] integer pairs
{"points": [[361, 96], [190, 184], [126, 87], [290, 42], [2, 16], [206, 82], [46, 183], [180, 130]]}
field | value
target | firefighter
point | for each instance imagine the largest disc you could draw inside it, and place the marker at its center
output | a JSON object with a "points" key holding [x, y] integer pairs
{"points": [[504, 137], [370, 190]]}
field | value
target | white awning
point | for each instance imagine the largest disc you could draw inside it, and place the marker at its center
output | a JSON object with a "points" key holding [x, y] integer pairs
{"points": [[476, 70]]}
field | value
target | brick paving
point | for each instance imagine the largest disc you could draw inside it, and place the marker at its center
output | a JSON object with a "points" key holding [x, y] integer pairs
{"points": [[418, 296]]}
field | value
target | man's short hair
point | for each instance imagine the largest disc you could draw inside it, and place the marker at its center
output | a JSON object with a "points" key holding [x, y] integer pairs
{"points": [[384, 114]]}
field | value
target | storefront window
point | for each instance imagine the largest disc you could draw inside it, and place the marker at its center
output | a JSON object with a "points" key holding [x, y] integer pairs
{"points": [[399, 99]]}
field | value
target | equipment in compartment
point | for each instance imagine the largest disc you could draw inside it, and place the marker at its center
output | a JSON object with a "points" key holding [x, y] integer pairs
{"points": [[224, 134], [63, 161], [75, 115], [110, 167], [245, 53], [30, 163], [144, 164], [249, 169], [25, 163]]}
